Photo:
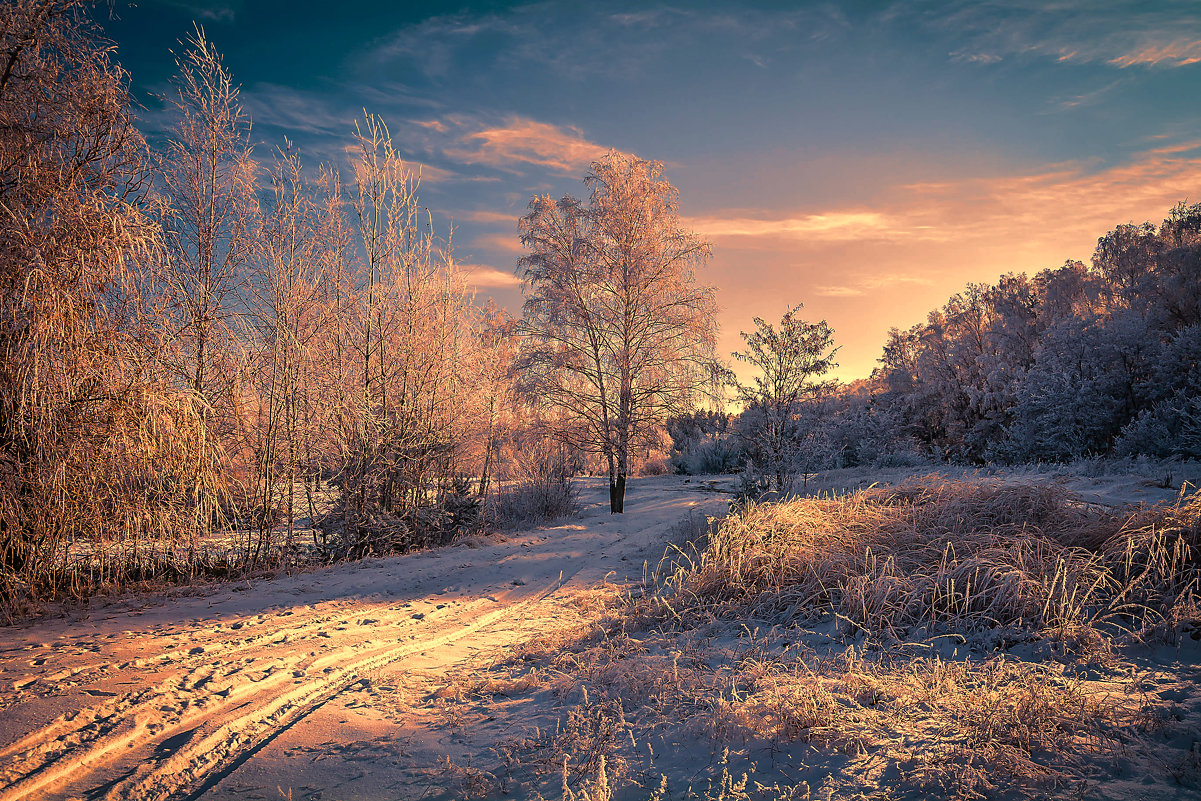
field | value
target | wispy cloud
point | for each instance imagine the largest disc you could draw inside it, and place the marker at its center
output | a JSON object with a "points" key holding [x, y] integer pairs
{"points": [[869, 284], [323, 122], [378, 93], [1072, 201], [520, 140], [1176, 53], [433, 45], [488, 217], [296, 111], [218, 11], [508, 243], [1119, 34], [576, 41], [1091, 97], [975, 58], [833, 225], [431, 174], [482, 276]]}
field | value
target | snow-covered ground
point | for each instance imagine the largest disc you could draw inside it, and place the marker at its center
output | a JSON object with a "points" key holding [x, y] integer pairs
{"points": [[1111, 483], [301, 682], [331, 684]]}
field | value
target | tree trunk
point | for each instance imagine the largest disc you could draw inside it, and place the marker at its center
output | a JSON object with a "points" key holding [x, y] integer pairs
{"points": [[617, 483], [617, 495], [617, 486]]}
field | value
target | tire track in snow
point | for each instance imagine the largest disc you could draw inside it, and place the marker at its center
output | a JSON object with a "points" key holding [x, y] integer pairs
{"points": [[202, 691], [199, 660], [218, 712], [213, 677], [199, 766], [197, 642]]}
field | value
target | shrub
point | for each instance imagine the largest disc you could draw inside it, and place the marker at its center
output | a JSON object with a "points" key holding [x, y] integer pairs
{"points": [[709, 455], [538, 489], [655, 467], [1172, 427], [703, 442]]}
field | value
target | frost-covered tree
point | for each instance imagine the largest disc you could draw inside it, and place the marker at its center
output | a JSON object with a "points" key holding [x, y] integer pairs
{"points": [[1127, 259], [790, 362], [208, 180], [619, 333], [863, 428], [89, 427], [1170, 424], [703, 442], [285, 316], [1063, 364]]}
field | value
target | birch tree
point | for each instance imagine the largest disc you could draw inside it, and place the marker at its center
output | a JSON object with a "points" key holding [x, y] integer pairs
{"points": [[790, 362], [408, 340], [208, 178], [286, 310], [619, 333]]}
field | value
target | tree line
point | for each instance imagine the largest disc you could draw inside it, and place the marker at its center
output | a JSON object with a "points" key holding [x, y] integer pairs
{"points": [[1075, 361], [1084, 360], [201, 336]]}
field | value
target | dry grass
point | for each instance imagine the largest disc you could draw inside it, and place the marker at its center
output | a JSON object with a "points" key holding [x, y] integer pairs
{"points": [[935, 556], [867, 647], [960, 729]]}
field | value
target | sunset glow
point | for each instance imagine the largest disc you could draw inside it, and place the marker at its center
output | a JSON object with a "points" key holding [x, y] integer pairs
{"points": [[866, 162]]}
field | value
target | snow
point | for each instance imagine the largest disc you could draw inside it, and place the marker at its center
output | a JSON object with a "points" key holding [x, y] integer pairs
{"points": [[298, 681], [341, 682]]}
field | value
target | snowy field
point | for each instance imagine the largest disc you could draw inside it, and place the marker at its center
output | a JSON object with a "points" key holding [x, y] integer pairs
{"points": [[450, 674]]}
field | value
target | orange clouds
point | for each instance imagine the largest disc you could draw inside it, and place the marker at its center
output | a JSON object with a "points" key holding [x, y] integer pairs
{"points": [[522, 140], [868, 284], [481, 276], [1062, 202], [1178, 53], [1065, 200], [490, 217], [833, 225], [508, 243]]}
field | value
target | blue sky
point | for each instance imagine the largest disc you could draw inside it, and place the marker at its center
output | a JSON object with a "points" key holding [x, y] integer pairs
{"points": [[866, 159]]}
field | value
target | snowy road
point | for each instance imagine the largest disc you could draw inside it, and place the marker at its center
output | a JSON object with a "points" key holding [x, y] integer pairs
{"points": [[248, 690]]}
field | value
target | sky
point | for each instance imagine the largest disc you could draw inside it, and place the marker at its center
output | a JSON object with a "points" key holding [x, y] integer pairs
{"points": [[866, 159]]}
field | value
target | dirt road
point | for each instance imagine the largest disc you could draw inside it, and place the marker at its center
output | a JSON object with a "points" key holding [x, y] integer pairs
{"points": [[297, 686]]}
